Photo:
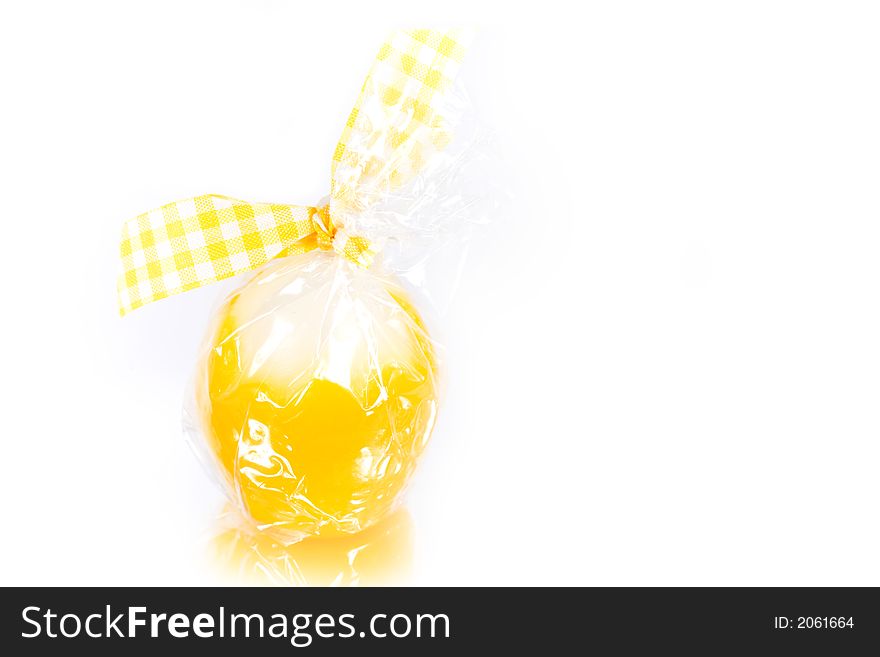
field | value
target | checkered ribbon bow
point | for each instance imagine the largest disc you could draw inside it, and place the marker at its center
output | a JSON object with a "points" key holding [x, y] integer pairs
{"points": [[392, 130]]}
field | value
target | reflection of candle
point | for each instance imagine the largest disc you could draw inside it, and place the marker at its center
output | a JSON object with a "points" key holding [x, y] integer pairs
{"points": [[317, 394], [380, 555]]}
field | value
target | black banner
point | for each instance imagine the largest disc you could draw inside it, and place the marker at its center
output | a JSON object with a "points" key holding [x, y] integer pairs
{"points": [[105, 621]]}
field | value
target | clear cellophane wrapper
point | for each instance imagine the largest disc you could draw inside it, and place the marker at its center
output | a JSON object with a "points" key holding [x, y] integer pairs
{"points": [[319, 381]]}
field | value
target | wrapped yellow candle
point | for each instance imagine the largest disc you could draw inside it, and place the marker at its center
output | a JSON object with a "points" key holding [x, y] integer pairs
{"points": [[317, 394], [316, 391]]}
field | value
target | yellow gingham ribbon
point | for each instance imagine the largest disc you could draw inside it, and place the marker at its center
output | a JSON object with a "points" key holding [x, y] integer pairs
{"points": [[395, 125]]}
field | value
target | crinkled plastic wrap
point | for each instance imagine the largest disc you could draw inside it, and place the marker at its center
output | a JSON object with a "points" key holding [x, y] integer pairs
{"points": [[318, 385], [317, 393]]}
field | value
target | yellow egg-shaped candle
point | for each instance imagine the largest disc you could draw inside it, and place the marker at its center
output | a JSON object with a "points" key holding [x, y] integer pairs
{"points": [[316, 394]]}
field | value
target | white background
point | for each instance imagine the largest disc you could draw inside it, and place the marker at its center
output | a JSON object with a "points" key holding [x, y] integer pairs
{"points": [[665, 359]]}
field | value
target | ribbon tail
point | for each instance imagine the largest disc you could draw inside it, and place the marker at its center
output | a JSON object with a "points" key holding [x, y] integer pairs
{"points": [[198, 241], [399, 120]]}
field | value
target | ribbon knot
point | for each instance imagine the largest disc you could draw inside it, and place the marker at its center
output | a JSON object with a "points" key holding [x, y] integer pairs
{"points": [[324, 228]]}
